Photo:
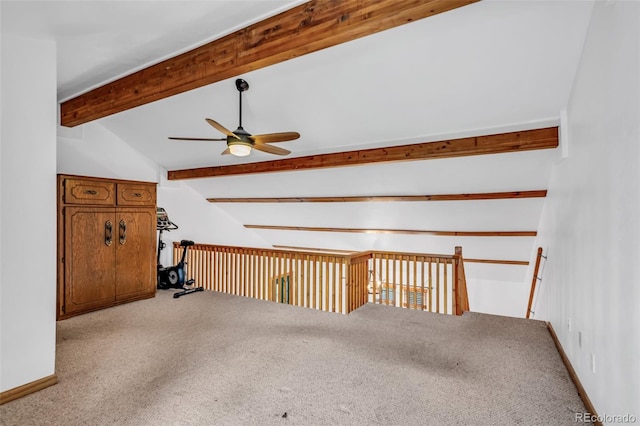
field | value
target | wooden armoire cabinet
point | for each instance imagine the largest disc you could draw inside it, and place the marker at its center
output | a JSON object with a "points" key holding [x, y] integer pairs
{"points": [[106, 243]]}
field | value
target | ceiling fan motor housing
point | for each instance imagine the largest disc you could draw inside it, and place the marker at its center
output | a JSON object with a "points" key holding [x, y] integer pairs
{"points": [[242, 85]]}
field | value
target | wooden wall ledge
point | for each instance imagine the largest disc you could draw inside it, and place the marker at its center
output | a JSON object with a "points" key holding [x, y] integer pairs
{"points": [[389, 198], [399, 231]]}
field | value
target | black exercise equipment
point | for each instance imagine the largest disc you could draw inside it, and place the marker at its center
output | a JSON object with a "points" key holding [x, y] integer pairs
{"points": [[173, 276]]}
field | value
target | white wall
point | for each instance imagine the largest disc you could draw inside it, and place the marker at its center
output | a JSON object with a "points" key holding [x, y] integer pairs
{"points": [[590, 226], [28, 211], [200, 220], [93, 150], [507, 298]]}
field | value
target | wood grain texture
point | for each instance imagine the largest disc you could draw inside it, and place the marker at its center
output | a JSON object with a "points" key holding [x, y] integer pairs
{"points": [[307, 28], [24, 390], [525, 140], [534, 280], [499, 261], [398, 231], [329, 250], [313, 249], [461, 294], [388, 198]]}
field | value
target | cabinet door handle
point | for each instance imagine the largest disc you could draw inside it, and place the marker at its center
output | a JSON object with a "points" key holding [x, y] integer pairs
{"points": [[91, 192], [123, 231], [108, 233]]}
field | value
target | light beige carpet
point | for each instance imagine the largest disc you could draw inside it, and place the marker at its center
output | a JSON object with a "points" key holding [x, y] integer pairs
{"points": [[215, 359]]}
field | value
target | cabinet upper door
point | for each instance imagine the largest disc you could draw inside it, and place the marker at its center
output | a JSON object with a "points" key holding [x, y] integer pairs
{"points": [[136, 194], [86, 191], [135, 242], [89, 257]]}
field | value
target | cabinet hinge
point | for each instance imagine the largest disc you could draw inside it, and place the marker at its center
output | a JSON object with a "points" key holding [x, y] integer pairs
{"points": [[62, 260], [64, 309]]}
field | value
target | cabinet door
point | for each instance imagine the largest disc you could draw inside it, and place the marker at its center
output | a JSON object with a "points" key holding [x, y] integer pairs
{"points": [[89, 258], [84, 191], [135, 242], [136, 194]]}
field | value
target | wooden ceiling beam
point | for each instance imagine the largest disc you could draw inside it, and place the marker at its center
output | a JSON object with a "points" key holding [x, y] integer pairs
{"points": [[309, 27], [399, 231], [491, 144], [389, 198]]}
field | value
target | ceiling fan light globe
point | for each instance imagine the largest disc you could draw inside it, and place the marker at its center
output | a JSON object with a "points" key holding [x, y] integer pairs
{"points": [[240, 149]]}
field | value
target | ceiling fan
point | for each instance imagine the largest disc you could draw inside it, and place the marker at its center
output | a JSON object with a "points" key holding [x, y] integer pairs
{"points": [[240, 142]]}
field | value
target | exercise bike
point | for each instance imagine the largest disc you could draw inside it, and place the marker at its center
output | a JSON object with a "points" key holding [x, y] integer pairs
{"points": [[173, 276]]}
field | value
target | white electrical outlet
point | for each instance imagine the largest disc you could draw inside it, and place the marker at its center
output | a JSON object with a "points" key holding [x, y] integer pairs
{"points": [[593, 363]]}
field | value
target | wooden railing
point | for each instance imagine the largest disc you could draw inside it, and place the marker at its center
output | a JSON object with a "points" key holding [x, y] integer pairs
{"points": [[329, 281], [425, 282], [534, 280], [462, 297]]}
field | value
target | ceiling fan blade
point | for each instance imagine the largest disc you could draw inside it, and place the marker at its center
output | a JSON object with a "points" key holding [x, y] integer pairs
{"points": [[271, 149], [221, 128], [226, 151], [275, 137], [195, 139]]}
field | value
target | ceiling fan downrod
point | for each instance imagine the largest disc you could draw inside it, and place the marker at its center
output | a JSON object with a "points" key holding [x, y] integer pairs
{"points": [[242, 86]]}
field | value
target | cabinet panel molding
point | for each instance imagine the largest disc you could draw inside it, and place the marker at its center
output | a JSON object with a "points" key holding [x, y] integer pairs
{"points": [[78, 191], [130, 194]]}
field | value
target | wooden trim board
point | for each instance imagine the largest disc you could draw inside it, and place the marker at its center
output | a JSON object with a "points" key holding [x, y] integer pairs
{"points": [[389, 198], [319, 250], [20, 391], [572, 373], [399, 231], [498, 261]]}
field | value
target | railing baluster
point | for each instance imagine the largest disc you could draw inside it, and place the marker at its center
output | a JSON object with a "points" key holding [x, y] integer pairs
{"points": [[337, 283], [416, 282], [220, 270], [386, 280], [438, 302], [340, 284], [431, 290], [422, 291], [446, 287]]}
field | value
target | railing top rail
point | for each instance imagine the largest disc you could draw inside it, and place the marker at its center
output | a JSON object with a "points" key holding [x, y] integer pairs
{"points": [[402, 253], [351, 257], [270, 250]]}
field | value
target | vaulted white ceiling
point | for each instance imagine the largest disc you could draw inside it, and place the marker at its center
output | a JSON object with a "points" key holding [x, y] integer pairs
{"points": [[486, 68]]}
